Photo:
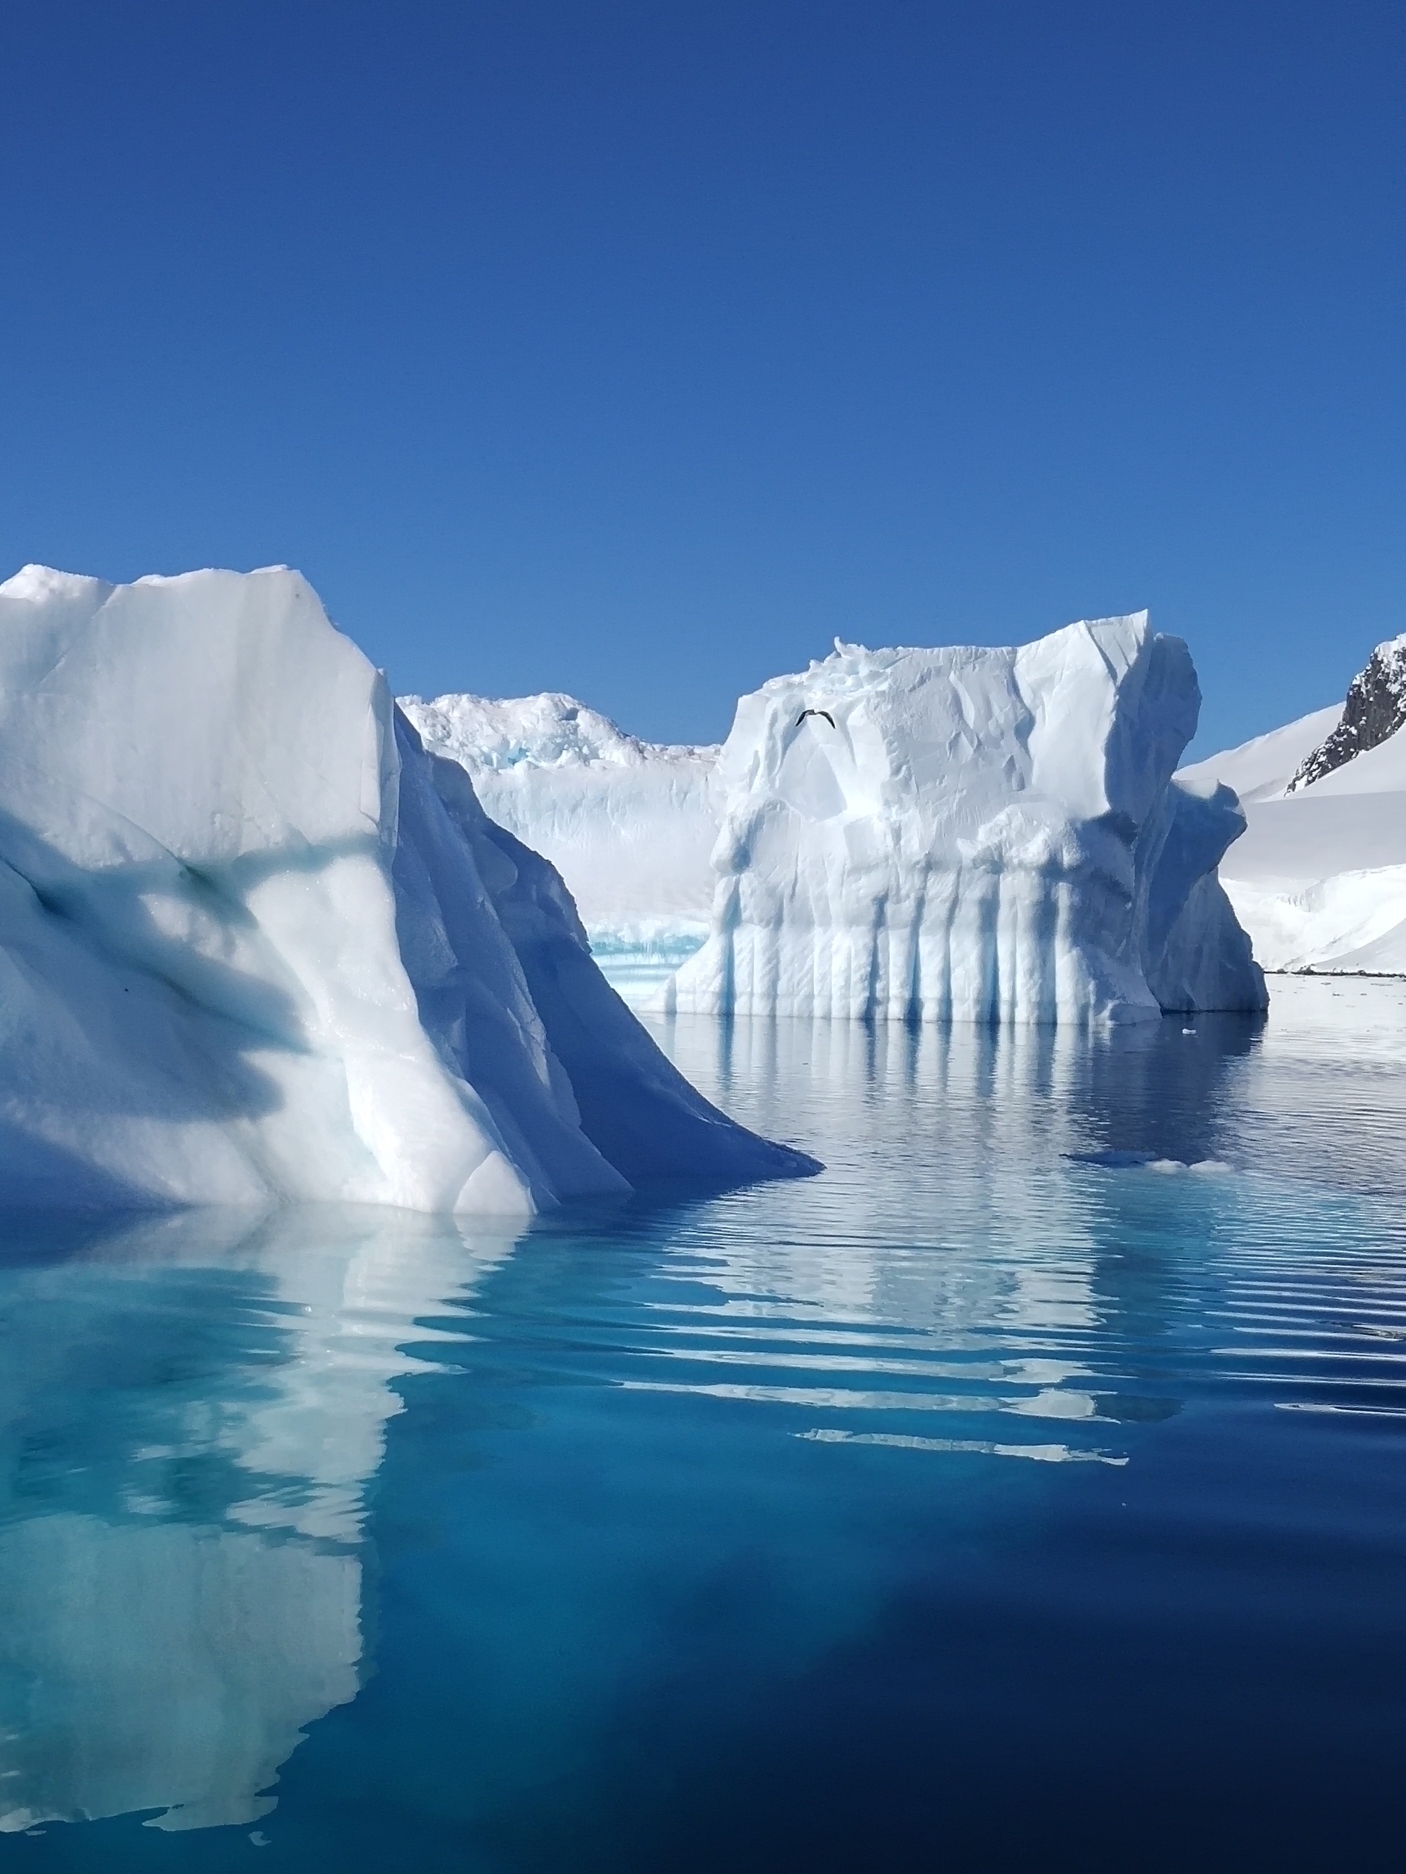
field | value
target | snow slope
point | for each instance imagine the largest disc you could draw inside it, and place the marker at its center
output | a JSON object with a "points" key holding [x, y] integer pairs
{"points": [[1319, 879], [972, 833], [1262, 768], [256, 945], [628, 824]]}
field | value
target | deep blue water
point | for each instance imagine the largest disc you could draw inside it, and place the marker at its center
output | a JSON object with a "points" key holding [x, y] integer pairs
{"points": [[1012, 1495]]}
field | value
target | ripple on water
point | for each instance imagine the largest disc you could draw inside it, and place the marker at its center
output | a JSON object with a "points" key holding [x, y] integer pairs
{"points": [[1063, 1407]]}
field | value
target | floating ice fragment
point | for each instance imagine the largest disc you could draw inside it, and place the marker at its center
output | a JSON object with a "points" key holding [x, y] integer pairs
{"points": [[1146, 1161]]}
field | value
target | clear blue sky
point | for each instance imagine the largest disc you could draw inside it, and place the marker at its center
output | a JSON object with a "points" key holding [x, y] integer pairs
{"points": [[637, 350]]}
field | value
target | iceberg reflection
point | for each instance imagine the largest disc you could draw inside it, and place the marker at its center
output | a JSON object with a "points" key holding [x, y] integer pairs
{"points": [[191, 1409], [973, 1258]]}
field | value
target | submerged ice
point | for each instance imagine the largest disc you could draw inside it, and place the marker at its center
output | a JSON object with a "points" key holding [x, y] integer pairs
{"points": [[257, 945], [973, 834]]}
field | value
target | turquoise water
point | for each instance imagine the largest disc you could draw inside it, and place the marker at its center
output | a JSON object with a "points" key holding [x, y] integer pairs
{"points": [[637, 968], [1027, 1490]]}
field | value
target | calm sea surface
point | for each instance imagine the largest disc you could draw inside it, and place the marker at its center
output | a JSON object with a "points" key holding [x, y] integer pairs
{"points": [[1027, 1491]]}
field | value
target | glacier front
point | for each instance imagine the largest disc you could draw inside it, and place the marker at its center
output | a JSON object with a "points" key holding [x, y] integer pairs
{"points": [[973, 834], [256, 945], [630, 825]]}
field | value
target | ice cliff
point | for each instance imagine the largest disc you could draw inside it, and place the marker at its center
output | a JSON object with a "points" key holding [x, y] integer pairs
{"points": [[257, 945], [628, 824], [976, 834]]}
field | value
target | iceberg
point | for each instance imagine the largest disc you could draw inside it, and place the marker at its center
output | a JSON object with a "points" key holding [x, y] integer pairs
{"points": [[1319, 880], [973, 834], [257, 946]]}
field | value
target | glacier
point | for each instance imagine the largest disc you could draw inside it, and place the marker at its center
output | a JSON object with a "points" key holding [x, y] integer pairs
{"points": [[258, 946], [630, 825], [973, 834], [1319, 880]]}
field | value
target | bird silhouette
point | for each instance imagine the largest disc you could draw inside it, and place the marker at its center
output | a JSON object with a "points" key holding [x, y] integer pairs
{"points": [[815, 712]]}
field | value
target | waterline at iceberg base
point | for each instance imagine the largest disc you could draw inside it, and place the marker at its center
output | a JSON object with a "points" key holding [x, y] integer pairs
{"points": [[257, 946], [973, 834]]}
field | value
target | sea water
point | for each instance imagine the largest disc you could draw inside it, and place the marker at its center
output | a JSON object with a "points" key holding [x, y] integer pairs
{"points": [[1026, 1491]]}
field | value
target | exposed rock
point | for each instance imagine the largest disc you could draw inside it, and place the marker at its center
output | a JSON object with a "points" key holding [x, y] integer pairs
{"points": [[1374, 711]]}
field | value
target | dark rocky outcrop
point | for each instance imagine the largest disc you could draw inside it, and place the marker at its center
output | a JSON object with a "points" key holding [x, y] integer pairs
{"points": [[1374, 711]]}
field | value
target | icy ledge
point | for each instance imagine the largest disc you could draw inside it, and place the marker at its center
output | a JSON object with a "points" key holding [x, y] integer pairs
{"points": [[256, 945], [986, 835]]}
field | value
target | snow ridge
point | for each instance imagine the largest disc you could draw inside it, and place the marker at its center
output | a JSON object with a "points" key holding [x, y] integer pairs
{"points": [[1319, 879], [551, 730]]}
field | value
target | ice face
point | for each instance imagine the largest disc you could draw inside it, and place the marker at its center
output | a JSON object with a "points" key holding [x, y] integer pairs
{"points": [[630, 825], [250, 951], [973, 834]]}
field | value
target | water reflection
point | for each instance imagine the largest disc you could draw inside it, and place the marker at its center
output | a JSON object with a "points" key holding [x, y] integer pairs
{"points": [[734, 1495], [1036, 1223], [192, 1408]]}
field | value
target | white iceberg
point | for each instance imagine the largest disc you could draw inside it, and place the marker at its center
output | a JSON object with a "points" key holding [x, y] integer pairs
{"points": [[973, 834], [256, 945]]}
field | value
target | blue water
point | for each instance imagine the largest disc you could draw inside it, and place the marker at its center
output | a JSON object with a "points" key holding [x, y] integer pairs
{"points": [[1024, 1492], [637, 968]]}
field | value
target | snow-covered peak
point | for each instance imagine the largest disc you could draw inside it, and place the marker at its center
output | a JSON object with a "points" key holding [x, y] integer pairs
{"points": [[41, 585], [551, 730]]}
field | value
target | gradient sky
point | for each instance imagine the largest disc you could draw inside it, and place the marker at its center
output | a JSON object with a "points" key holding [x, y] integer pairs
{"points": [[637, 350]]}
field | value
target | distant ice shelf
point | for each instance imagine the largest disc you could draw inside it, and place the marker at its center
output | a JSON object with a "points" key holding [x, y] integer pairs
{"points": [[629, 824]]}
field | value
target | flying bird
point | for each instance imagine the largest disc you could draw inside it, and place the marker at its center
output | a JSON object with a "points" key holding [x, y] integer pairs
{"points": [[815, 712]]}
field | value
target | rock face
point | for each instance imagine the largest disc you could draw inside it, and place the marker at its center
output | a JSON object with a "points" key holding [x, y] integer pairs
{"points": [[628, 824], [973, 834], [257, 946], [1375, 709]]}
